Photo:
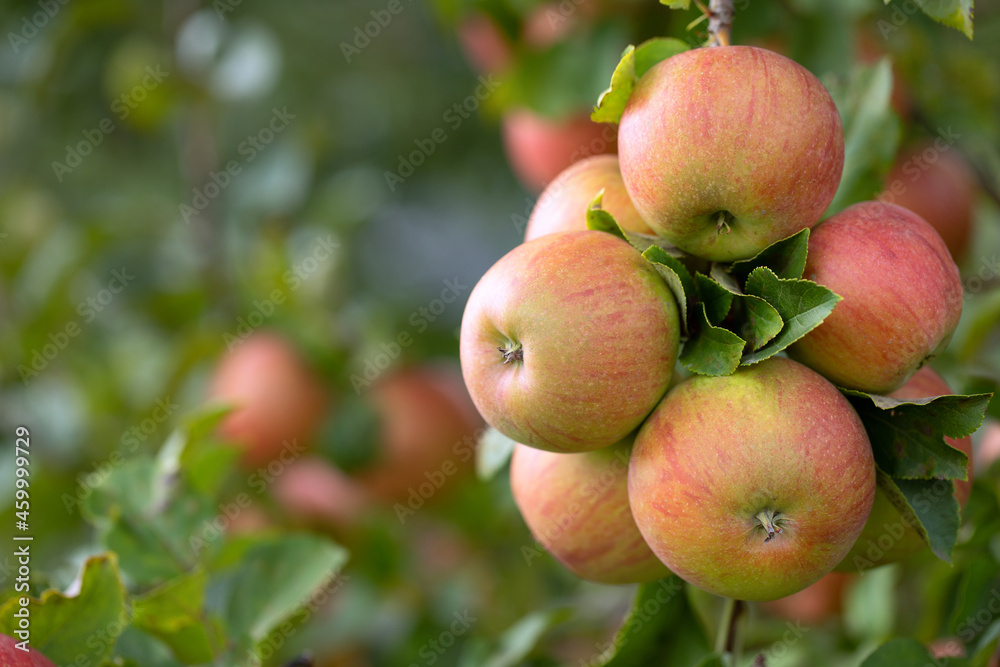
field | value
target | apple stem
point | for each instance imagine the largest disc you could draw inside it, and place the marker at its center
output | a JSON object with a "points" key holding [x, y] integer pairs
{"points": [[720, 22], [768, 519], [727, 635], [511, 354]]}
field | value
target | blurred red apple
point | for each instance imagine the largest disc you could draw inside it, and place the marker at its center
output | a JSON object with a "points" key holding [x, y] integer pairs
{"points": [[485, 46], [815, 603], [276, 397], [989, 446], [538, 149], [940, 187], [427, 434], [563, 205], [15, 657], [250, 519], [313, 490], [549, 23]]}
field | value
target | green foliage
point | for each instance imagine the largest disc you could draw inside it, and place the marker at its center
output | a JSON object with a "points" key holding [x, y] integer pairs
{"points": [[871, 132], [635, 61], [69, 628], [493, 453], [915, 463]]}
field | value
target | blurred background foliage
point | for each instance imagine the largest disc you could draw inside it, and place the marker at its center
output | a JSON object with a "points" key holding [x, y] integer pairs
{"points": [[206, 153]]}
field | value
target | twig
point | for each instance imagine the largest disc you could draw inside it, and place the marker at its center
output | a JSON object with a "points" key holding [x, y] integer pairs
{"points": [[720, 22]]}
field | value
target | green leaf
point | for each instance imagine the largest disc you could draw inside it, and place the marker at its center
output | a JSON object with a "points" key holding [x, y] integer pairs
{"points": [[517, 643], [870, 606], [83, 627], [565, 77], [899, 652], [654, 51], [712, 661], [664, 257], [762, 322], [756, 320], [928, 505], [635, 62], [908, 437], [139, 515], [660, 629], [787, 258], [871, 133], [711, 350], [348, 439], [675, 275], [802, 305], [717, 299], [676, 4], [275, 579], [174, 614], [952, 13], [492, 453]]}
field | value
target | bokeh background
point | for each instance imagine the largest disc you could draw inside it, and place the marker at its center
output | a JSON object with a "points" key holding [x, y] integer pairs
{"points": [[178, 176]]}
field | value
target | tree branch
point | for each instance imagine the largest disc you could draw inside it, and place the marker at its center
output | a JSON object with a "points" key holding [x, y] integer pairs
{"points": [[720, 22]]}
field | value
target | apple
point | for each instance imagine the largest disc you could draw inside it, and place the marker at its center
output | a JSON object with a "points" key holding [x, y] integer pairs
{"points": [[569, 341], [277, 398], [313, 490], [485, 46], [426, 435], [888, 537], [576, 506], [564, 203], [725, 150], [989, 445], [547, 24], [902, 297], [938, 186], [815, 603], [15, 657], [753, 485], [539, 149]]}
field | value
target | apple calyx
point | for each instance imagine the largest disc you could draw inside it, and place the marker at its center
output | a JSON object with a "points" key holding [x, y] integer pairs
{"points": [[769, 520], [511, 354]]}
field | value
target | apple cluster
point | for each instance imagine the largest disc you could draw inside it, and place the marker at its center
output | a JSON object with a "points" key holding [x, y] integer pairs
{"points": [[751, 482]]}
